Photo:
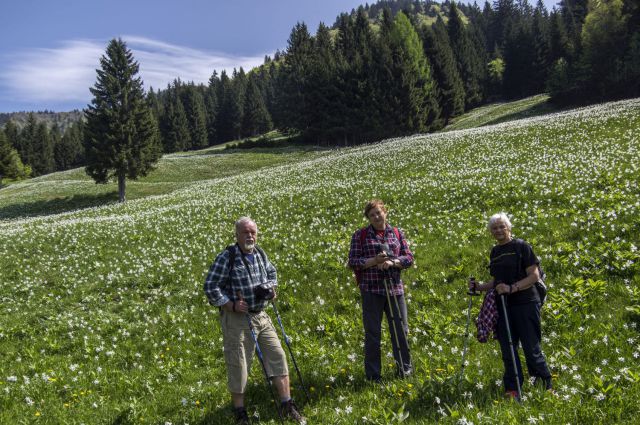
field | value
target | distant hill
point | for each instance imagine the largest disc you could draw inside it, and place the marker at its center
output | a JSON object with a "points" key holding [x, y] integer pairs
{"points": [[425, 12], [62, 119]]}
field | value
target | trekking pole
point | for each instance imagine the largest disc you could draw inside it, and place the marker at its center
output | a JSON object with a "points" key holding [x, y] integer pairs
{"points": [[264, 368], [513, 353], [472, 293], [293, 358], [393, 323], [403, 325]]}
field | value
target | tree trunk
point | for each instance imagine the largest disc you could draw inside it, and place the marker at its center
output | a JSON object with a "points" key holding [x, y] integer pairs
{"points": [[122, 180]]}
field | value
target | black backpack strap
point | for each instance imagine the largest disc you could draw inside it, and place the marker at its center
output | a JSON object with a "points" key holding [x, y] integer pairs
{"points": [[231, 249], [519, 246], [262, 254]]}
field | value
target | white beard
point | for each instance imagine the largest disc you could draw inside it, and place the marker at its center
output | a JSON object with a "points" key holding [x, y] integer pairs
{"points": [[249, 246]]}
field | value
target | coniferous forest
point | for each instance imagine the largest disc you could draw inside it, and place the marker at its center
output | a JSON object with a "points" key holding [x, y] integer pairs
{"points": [[392, 68]]}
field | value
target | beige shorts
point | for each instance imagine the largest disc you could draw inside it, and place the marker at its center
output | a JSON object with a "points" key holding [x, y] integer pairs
{"points": [[239, 347]]}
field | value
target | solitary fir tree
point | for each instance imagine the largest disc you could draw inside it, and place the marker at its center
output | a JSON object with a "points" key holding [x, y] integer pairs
{"points": [[121, 137], [10, 164]]}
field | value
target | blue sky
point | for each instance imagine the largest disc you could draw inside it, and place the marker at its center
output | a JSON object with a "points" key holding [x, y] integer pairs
{"points": [[49, 49]]}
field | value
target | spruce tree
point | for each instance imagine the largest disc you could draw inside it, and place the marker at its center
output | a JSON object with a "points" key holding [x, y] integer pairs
{"points": [[602, 39], [195, 111], [381, 77], [293, 90], [323, 90], [173, 124], [10, 164], [211, 107], [541, 48], [449, 85], [413, 88], [121, 135], [43, 161], [470, 69], [27, 140], [255, 114], [224, 129], [12, 134], [68, 151], [236, 102]]}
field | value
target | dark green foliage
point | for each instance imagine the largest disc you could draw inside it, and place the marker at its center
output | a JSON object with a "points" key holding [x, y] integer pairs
{"points": [[211, 107], [519, 54], [603, 35], [412, 88], [632, 66], [194, 108], [26, 141], [322, 90], [360, 80], [10, 164], [12, 134], [43, 161], [541, 49], [174, 126], [229, 116], [121, 135], [68, 150], [449, 85], [293, 100], [470, 66], [256, 116]]}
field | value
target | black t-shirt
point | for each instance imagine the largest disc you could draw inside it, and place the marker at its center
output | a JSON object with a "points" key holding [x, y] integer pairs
{"points": [[508, 264]]}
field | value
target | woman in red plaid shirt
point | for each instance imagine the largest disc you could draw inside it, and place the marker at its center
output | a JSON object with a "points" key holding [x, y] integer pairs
{"points": [[377, 255]]}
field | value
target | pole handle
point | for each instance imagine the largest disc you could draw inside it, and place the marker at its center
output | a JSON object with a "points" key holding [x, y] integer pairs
{"points": [[473, 292]]}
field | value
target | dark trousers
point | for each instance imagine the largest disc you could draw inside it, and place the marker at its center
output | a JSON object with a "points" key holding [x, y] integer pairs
{"points": [[373, 305], [524, 321]]}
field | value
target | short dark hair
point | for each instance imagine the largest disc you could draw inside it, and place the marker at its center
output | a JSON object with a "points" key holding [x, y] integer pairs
{"points": [[373, 204]]}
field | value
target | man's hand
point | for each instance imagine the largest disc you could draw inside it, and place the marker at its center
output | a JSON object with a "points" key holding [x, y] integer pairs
{"points": [[237, 306]]}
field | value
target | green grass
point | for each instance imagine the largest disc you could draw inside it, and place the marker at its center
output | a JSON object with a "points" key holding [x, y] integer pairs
{"points": [[73, 189], [104, 319], [497, 113]]}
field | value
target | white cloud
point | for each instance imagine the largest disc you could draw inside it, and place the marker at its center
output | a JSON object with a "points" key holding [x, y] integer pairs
{"points": [[64, 74]]}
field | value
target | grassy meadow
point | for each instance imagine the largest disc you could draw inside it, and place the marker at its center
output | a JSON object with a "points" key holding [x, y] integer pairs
{"points": [[104, 321]]}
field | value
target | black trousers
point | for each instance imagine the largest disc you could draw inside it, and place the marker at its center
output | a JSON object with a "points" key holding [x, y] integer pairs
{"points": [[524, 321], [373, 305]]}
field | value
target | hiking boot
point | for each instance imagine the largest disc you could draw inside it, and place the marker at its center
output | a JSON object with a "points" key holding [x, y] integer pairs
{"points": [[405, 373], [543, 382], [242, 418], [290, 411], [511, 394]]}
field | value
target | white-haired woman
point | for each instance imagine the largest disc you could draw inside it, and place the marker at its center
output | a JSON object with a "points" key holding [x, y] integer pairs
{"points": [[514, 270]]}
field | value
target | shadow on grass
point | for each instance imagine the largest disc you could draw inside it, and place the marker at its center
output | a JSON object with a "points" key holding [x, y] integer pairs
{"points": [[259, 401], [55, 206], [533, 111], [282, 150]]}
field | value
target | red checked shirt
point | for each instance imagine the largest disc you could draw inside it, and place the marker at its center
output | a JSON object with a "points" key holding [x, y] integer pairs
{"points": [[371, 279], [488, 318]]}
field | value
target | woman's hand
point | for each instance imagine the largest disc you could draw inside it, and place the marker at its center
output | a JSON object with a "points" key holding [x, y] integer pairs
{"points": [[389, 264], [503, 288], [381, 258]]}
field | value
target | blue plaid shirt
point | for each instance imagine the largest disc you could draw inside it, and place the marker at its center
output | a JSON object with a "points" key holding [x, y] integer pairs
{"points": [[222, 284], [371, 279]]}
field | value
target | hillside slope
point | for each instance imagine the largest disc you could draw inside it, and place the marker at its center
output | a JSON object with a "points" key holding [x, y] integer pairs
{"points": [[105, 320]]}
